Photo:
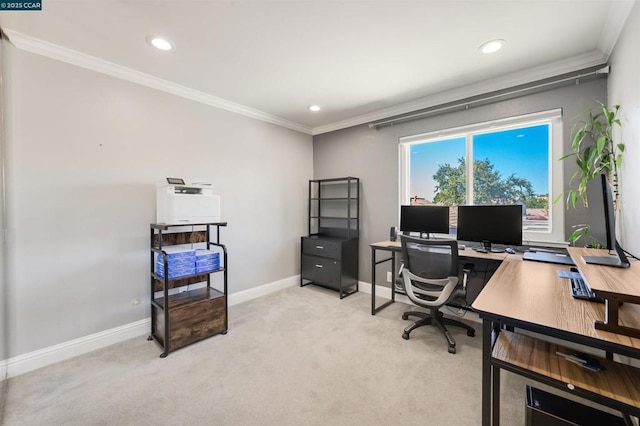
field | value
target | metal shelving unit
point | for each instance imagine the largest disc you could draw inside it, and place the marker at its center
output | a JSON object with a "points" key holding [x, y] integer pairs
{"points": [[329, 254], [180, 318]]}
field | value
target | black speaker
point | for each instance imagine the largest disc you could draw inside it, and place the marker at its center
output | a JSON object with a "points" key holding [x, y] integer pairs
{"points": [[393, 233]]}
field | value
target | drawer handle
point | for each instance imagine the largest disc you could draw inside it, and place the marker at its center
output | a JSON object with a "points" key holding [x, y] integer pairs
{"points": [[319, 266], [320, 247]]}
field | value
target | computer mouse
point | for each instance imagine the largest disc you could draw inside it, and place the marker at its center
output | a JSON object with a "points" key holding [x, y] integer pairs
{"points": [[510, 250]]}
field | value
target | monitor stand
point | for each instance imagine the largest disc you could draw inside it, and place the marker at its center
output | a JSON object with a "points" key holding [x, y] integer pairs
{"points": [[488, 248], [618, 260]]}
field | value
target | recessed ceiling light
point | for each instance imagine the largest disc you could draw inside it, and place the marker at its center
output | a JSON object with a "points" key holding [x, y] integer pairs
{"points": [[314, 108], [159, 43], [492, 46]]}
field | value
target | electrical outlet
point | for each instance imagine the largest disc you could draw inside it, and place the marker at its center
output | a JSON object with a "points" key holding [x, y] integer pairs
{"points": [[388, 276]]}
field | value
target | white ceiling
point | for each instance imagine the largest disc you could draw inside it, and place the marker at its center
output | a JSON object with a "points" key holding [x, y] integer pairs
{"points": [[359, 60]]}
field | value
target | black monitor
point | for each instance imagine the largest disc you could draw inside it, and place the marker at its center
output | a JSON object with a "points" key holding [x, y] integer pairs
{"points": [[424, 219], [602, 223], [491, 224]]}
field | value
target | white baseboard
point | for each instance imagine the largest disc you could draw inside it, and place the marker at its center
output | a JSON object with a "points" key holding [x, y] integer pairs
{"points": [[263, 290], [25, 363], [43, 357], [384, 292]]}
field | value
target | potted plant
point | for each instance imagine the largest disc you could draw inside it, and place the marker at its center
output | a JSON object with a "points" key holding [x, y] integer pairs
{"points": [[595, 152]]}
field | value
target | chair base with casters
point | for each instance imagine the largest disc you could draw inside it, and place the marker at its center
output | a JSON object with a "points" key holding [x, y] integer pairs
{"points": [[437, 319]]}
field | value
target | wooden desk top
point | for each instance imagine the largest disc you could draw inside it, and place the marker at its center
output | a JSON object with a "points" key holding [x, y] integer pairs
{"points": [[532, 292], [467, 252], [607, 279]]}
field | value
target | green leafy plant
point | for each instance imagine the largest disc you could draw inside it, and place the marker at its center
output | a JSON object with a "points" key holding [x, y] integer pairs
{"points": [[595, 152]]}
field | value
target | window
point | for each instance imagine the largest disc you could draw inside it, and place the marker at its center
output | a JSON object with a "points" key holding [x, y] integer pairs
{"points": [[509, 161]]}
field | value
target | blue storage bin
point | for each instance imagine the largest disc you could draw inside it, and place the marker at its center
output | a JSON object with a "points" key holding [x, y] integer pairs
{"points": [[202, 255], [206, 266], [175, 272]]}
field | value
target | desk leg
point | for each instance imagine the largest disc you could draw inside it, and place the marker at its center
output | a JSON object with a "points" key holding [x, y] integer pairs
{"points": [[495, 395], [486, 372], [375, 263], [373, 281], [393, 277]]}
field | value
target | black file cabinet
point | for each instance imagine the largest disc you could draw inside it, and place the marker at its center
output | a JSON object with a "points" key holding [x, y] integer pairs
{"points": [[329, 254], [330, 262]]}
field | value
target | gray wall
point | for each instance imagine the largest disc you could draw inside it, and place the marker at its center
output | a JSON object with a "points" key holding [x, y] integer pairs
{"points": [[84, 153], [3, 240], [372, 155]]}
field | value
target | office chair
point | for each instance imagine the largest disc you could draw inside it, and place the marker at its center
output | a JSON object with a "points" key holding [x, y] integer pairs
{"points": [[430, 278]]}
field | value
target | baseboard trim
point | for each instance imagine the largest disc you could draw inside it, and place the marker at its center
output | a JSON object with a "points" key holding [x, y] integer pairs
{"points": [[43, 357], [263, 290], [384, 292], [31, 361]]}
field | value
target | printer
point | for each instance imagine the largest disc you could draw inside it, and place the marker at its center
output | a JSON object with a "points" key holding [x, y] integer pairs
{"points": [[182, 202]]}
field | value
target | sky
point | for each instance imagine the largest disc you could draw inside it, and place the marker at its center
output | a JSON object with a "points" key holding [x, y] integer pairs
{"points": [[522, 151]]}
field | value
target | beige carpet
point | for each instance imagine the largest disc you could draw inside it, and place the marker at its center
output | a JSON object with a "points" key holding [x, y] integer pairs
{"points": [[300, 356]]}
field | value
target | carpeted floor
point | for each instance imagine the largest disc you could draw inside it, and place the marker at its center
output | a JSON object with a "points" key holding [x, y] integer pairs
{"points": [[300, 356]]}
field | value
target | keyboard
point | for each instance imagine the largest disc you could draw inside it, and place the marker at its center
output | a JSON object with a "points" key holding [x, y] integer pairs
{"points": [[580, 290]]}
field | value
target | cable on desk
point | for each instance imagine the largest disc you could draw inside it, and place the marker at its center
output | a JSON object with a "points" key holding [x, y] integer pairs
{"points": [[631, 254]]}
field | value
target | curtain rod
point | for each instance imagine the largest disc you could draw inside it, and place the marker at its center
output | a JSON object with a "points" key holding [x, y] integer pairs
{"points": [[491, 97]]}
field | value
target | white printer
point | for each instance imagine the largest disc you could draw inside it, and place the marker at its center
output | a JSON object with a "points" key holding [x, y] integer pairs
{"points": [[179, 202]]}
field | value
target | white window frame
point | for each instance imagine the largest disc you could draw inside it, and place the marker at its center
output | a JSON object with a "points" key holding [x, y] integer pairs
{"points": [[551, 117]]}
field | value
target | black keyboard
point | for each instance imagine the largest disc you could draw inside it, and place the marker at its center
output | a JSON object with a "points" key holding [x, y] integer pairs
{"points": [[580, 290]]}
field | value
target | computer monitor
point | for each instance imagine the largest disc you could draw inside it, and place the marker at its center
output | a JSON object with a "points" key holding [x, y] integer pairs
{"points": [[424, 219], [602, 223], [491, 224]]}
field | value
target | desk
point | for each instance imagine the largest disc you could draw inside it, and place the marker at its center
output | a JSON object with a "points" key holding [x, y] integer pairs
{"points": [[393, 247], [530, 296]]}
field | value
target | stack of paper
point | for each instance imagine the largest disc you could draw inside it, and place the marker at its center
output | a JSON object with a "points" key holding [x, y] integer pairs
{"points": [[207, 260], [180, 262]]}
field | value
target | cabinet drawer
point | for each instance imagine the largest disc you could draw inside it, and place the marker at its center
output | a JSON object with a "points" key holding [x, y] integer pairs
{"points": [[319, 247], [321, 270], [191, 322]]}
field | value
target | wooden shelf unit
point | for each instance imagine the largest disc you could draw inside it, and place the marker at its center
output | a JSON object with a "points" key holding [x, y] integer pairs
{"points": [[181, 318], [616, 385]]}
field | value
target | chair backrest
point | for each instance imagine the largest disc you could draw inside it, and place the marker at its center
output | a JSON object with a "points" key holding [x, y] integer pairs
{"points": [[431, 259]]}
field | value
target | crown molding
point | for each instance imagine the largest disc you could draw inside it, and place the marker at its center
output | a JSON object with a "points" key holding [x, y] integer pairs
{"points": [[63, 54], [503, 82], [615, 21], [616, 18]]}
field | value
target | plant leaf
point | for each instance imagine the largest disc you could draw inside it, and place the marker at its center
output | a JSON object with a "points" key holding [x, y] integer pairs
{"points": [[602, 141], [558, 198], [564, 157]]}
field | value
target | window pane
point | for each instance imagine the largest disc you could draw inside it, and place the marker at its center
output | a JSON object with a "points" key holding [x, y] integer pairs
{"points": [[437, 174], [512, 166]]}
